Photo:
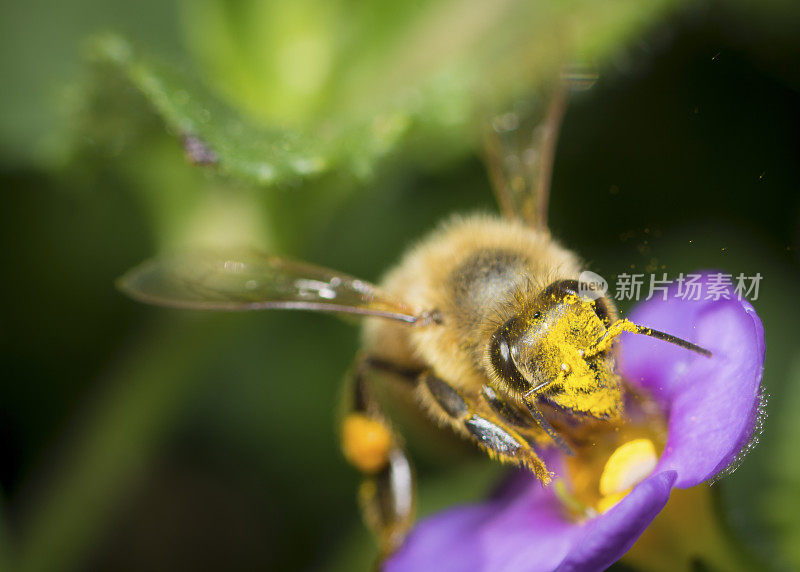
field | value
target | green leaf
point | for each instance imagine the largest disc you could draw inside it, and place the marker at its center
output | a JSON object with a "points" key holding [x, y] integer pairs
{"points": [[328, 94], [214, 133]]}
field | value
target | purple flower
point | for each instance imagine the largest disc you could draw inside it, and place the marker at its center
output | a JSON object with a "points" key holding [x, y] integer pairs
{"points": [[711, 406]]}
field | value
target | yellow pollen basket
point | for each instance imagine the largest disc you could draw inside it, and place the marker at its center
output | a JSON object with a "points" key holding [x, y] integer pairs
{"points": [[366, 442], [627, 466]]}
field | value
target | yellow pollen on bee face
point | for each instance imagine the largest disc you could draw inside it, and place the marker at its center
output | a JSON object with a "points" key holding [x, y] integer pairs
{"points": [[366, 442], [627, 466]]}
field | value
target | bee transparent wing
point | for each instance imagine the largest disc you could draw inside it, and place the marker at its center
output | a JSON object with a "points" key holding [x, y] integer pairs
{"points": [[249, 280], [520, 148]]}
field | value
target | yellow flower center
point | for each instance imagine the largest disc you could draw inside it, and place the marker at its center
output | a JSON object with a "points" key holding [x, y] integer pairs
{"points": [[627, 466], [604, 472]]}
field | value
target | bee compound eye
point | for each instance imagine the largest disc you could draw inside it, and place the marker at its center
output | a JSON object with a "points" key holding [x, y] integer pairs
{"points": [[562, 287], [502, 361], [604, 308]]}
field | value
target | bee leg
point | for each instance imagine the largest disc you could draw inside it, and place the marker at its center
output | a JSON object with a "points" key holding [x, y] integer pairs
{"points": [[489, 430], [386, 494], [533, 419]]}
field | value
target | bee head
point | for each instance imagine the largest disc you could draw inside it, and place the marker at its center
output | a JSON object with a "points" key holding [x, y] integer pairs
{"points": [[548, 352]]}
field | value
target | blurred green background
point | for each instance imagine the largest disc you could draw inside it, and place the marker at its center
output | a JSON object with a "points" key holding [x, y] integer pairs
{"points": [[144, 439]]}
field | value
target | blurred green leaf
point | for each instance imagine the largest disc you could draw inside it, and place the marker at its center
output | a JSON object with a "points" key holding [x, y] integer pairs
{"points": [[40, 56], [214, 133], [429, 78]]}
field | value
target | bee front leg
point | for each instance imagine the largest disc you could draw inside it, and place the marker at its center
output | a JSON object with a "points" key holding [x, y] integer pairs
{"points": [[387, 492], [485, 427]]}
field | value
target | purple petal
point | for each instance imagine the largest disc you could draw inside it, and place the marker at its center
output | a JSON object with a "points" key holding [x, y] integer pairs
{"points": [[711, 403], [445, 542], [530, 532], [607, 537], [526, 531]]}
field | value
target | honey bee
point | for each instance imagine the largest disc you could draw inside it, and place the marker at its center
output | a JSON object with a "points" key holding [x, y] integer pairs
{"points": [[484, 319]]}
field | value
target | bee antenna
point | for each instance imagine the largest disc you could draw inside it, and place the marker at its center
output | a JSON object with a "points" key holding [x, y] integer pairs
{"points": [[620, 326], [663, 336]]}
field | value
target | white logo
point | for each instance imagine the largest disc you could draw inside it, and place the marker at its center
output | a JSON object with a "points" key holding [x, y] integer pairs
{"points": [[591, 286]]}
